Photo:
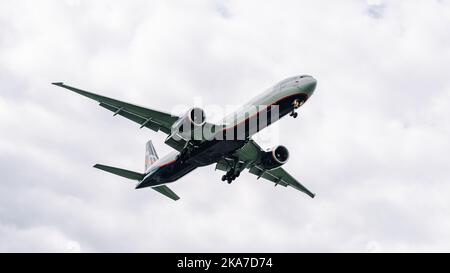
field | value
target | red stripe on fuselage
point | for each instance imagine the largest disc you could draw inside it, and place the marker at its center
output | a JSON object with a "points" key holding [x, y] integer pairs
{"points": [[168, 163], [226, 129]]}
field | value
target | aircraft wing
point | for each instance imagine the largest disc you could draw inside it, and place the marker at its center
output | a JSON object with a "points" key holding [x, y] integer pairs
{"points": [[280, 177], [152, 119], [249, 157]]}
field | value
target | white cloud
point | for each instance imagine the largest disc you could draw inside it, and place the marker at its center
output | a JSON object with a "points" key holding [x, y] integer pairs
{"points": [[36, 239], [371, 142]]}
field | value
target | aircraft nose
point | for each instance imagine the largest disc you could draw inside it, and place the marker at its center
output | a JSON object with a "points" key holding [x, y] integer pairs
{"points": [[309, 85]]}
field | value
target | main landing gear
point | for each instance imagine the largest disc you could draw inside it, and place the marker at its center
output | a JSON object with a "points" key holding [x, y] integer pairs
{"points": [[234, 170], [293, 114], [187, 150], [229, 177]]}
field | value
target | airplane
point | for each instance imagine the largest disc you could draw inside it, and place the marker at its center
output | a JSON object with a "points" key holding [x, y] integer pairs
{"points": [[197, 143]]}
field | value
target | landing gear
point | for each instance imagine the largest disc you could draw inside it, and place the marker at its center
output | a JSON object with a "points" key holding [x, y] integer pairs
{"points": [[229, 177], [297, 103], [184, 155], [234, 168], [187, 150]]}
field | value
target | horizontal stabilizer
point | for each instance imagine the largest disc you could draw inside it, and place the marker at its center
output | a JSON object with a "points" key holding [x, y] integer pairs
{"points": [[120, 172], [167, 192], [137, 176]]}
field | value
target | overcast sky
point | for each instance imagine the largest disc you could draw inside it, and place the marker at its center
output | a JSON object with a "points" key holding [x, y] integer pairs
{"points": [[372, 142]]}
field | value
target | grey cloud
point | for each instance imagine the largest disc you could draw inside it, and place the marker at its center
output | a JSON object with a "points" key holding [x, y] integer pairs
{"points": [[371, 142]]}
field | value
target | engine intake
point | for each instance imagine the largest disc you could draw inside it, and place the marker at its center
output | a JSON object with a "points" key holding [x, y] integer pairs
{"points": [[197, 116], [275, 158], [190, 124]]}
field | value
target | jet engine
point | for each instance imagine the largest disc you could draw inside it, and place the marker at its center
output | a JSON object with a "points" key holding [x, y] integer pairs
{"points": [[191, 122], [275, 158], [192, 119]]}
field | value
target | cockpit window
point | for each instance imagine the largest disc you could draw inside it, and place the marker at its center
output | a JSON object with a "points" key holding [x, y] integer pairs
{"points": [[283, 82], [291, 80]]}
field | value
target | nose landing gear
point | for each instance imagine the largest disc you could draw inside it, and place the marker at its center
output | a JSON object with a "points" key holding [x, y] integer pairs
{"points": [[297, 103], [293, 114]]}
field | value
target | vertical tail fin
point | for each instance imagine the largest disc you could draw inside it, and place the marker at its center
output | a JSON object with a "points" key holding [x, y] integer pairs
{"points": [[150, 155]]}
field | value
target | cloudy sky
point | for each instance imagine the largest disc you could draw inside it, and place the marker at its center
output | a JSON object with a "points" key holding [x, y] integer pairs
{"points": [[372, 142]]}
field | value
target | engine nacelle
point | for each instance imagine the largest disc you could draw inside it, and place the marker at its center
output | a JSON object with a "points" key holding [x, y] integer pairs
{"points": [[275, 158], [190, 122]]}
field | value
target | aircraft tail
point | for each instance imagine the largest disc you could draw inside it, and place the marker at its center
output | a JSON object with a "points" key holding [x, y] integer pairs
{"points": [[150, 155], [150, 158]]}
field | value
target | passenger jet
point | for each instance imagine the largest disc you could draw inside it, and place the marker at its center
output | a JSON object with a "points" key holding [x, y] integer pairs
{"points": [[228, 145]]}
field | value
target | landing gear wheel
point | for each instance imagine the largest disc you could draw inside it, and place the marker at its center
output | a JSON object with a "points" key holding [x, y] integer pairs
{"points": [[295, 115], [229, 177]]}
